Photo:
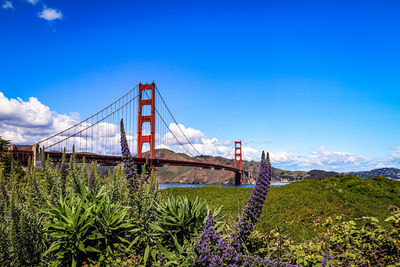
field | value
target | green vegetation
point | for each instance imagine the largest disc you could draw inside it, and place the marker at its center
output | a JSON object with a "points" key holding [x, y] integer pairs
{"points": [[69, 216], [181, 219], [298, 207]]}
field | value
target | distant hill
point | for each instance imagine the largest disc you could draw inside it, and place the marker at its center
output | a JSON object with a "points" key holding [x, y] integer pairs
{"points": [[391, 173], [176, 174]]}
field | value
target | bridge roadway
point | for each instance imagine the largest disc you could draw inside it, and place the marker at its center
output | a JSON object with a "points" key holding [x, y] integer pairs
{"points": [[23, 156]]}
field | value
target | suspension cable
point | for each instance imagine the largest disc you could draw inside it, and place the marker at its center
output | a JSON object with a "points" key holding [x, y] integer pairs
{"points": [[177, 122], [168, 127], [93, 123], [79, 123]]}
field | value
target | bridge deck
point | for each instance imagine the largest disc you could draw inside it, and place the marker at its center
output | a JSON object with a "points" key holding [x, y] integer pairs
{"points": [[107, 159]]}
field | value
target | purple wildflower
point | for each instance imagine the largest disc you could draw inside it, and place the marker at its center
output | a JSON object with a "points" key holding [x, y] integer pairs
{"points": [[213, 250], [253, 209], [133, 182], [91, 181], [64, 171], [35, 185], [326, 258], [52, 200]]}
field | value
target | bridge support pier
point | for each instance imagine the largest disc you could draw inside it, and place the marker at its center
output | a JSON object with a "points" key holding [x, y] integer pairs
{"points": [[238, 178], [146, 170], [37, 156]]}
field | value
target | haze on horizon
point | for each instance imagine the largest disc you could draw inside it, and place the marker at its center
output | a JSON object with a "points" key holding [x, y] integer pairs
{"points": [[315, 83]]}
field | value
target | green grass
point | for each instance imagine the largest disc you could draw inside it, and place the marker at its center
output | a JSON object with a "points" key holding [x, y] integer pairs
{"points": [[297, 207]]}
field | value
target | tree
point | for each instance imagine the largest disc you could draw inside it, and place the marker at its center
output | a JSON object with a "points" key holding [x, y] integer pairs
{"points": [[4, 144], [7, 164]]}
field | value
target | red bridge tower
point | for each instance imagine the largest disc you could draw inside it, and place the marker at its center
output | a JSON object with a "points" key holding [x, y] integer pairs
{"points": [[238, 162], [145, 100]]}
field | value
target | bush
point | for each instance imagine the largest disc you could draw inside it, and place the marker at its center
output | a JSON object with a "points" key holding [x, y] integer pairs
{"points": [[67, 217], [181, 218]]}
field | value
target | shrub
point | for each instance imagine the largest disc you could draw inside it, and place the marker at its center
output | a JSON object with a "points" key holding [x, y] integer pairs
{"points": [[179, 217]]}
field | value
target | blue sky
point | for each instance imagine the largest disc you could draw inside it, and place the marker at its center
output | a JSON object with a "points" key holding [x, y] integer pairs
{"points": [[315, 82]]}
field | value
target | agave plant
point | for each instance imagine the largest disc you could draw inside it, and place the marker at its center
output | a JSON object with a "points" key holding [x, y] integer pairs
{"points": [[72, 230], [113, 224], [181, 218]]}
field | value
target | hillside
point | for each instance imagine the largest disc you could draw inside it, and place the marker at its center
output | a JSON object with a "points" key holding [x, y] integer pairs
{"points": [[298, 206], [176, 174], [391, 173]]}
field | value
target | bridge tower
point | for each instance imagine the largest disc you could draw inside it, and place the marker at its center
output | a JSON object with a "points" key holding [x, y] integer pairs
{"points": [[238, 162], [145, 92]]}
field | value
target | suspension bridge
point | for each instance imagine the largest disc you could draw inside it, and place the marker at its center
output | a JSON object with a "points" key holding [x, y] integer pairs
{"points": [[150, 126]]}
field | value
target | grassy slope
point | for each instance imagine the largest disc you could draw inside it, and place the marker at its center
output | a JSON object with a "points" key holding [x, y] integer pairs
{"points": [[297, 206]]}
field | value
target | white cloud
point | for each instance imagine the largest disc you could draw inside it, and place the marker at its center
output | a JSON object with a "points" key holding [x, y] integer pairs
{"points": [[161, 146], [7, 5], [194, 136], [392, 161], [50, 14], [317, 159], [27, 122], [16, 112], [322, 159], [33, 2]]}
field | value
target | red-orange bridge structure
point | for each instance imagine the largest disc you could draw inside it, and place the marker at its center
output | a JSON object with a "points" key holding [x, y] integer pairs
{"points": [[97, 138]]}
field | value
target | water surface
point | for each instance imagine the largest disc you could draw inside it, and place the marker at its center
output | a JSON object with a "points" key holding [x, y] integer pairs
{"points": [[162, 186]]}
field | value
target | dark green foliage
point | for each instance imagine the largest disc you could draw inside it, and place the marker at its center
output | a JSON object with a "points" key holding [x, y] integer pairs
{"points": [[8, 166], [4, 144], [71, 227], [365, 242], [180, 218], [22, 239], [75, 181], [359, 242], [97, 223], [117, 186], [113, 224]]}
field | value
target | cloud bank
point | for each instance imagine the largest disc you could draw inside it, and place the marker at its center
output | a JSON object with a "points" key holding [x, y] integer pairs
{"points": [[27, 122]]}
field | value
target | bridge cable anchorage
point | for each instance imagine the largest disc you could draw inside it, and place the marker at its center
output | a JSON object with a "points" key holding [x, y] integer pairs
{"points": [[177, 124], [79, 123], [92, 124]]}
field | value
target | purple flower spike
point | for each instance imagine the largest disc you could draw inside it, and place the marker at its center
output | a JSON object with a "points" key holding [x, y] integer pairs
{"points": [[212, 250], [253, 209], [326, 258], [52, 201], [35, 185], [91, 181], [64, 171], [133, 181]]}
